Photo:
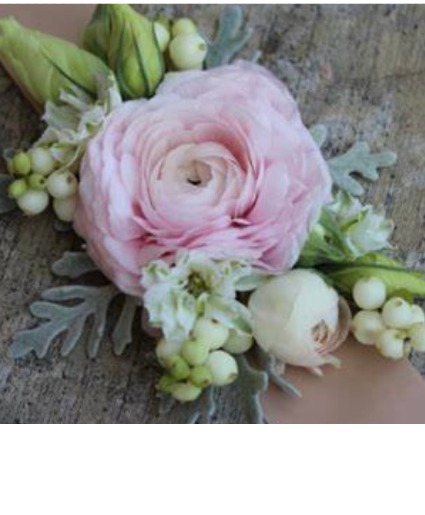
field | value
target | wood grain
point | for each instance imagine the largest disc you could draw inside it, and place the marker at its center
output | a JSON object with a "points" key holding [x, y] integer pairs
{"points": [[358, 69]]}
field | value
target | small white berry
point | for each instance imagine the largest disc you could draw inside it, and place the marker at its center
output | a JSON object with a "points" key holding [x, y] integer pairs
{"points": [[195, 352], [366, 326], [33, 202], [188, 51], [186, 392], [390, 343], [164, 349], [183, 26], [238, 343], [418, 316], [42, 161], [65, 208], [369, 293], [223, 368], [212, 333], [162, 35], [62, 184], [397, 313], [417, 337]]}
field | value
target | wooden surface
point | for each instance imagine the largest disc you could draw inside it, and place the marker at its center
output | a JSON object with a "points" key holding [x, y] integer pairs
{"points": [[358, 69]]}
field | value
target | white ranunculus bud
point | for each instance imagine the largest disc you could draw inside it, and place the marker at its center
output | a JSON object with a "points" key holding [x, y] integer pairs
{"points": [[299, 319]]}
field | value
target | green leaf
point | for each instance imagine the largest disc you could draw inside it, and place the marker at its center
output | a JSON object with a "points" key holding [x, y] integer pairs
{"points": [[396, 277], [230, 38], [358, 159]]}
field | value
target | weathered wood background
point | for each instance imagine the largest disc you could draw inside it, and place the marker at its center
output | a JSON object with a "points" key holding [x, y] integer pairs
{"points": [[358, 69]]}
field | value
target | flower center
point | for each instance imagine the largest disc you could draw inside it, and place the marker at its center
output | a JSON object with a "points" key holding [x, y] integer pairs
{"points": [[197, 174], [196, 284]]}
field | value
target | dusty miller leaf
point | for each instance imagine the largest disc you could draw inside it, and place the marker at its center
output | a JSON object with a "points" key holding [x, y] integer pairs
{"points": [[122, 335], [251, 383], [89, 305], [358, 159], [230, 38], [320, 134], [6, 203], [267, 363], [200, 411], [93, 302], [73, 265]]}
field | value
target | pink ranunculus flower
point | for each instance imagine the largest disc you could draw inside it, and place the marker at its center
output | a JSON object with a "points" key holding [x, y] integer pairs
{"points": [[218, 160]]}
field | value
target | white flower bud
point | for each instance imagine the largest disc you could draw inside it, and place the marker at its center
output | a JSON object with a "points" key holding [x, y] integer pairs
{"points": [[366, 326], [397, 313], [369, 293], [223, 368], [390, 343], [65, 208], [238, 343], [42, 161], [212, 333], [188, 51], [33, 202], [62, 184]]}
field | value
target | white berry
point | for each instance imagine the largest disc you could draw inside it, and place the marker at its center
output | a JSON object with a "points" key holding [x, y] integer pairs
{"points": [[366, 326], [62, 184], [65, 208], [42, 161], [183, 26], [238, 343], [417, 337], [188, 51], [418, 316], [164, 349], [390, 343], [223, 368], [212, 333], [33, 202], [369, 293], [397, 313], [162, 35], [186, 392]]}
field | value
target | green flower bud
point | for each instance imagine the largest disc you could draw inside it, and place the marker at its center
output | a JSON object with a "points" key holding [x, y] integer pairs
{"points": [[166, 384], [17, 188], [37, 182], [22, 163], [177, 367], [186, 392], [126, 41], [200, 376], [42, 65], [42, 161], [183, 26], [195, 352]]}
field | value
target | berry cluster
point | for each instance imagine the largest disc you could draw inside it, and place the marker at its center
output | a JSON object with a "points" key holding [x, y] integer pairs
{"points": [[185, 47], [393, 325], [37, 179], [203, 360]]}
